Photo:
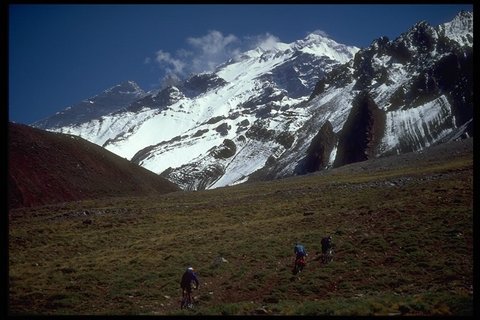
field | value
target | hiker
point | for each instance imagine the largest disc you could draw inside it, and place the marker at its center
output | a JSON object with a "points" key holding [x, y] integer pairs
{"points": [[300, 254], [188, 277], [299, 250], [326, 244], [326, 249]]}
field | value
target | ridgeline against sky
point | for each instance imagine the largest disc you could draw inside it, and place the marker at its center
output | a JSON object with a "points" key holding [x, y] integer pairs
{"points": [[62, 54]]}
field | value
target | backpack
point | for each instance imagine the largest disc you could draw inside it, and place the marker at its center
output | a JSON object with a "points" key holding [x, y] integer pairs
{"points": [[187, 279], [326, 242], [300, 250]]}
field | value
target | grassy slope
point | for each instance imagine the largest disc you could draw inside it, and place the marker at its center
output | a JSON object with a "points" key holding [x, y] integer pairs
{"points": [[403, 237]]}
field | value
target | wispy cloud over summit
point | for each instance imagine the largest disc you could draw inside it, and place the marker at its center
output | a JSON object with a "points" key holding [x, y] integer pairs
{"points": [[320, 33], [264, 41], [173, 65], [205, 53], [212, 49]]}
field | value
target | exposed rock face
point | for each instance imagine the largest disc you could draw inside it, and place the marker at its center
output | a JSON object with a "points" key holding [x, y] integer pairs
{"points": [[193, 179], [226, 150], [362, 131], [159, 100], [318, 152], [201, 83]]}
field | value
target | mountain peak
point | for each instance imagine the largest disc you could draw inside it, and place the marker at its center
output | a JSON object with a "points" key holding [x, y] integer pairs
{"points": [[464, 15], [419, 28], [132, 84], [460, 29], [128, 86], [110, 100], [271, 46], [319, 44], [313, 39], [316, 36]]}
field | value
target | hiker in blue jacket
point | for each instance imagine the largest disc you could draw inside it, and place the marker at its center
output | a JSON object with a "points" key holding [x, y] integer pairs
{"points": [[300, 251], [300, 262]]}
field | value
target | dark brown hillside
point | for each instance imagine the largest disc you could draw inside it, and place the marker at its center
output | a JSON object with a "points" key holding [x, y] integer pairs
{"points": [[46, 168]]}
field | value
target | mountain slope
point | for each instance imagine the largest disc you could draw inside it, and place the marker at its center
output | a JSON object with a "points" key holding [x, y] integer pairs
{"points": [[402, 226], [181, 130], [393, 97], [46, 167], [295, 108], [110, 100]]}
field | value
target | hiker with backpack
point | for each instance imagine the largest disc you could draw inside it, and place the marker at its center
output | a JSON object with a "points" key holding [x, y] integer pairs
{"points": [[189, 277], [300, 254]]}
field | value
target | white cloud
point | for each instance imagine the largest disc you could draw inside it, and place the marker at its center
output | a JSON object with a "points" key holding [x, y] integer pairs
{"points": [[206, 52], [170, 79], [182, 53], [165, 58], [211, 50], [320, 33], [213, 43], [266, 41]]}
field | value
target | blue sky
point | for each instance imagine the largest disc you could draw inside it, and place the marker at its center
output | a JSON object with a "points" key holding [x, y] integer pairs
{"points": [[62, 54]]}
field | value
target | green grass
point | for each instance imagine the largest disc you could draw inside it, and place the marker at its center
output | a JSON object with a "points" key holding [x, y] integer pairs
{"points": [[398, 250]]}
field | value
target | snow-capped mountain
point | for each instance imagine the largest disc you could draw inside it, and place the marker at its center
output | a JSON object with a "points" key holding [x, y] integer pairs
{"points": [[393, 97], [300, 107], [110, 100]]}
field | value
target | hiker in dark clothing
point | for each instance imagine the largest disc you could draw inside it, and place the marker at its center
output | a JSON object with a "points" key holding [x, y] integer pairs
{"points": [[326, 244], [186, 284], [327, 251]]}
